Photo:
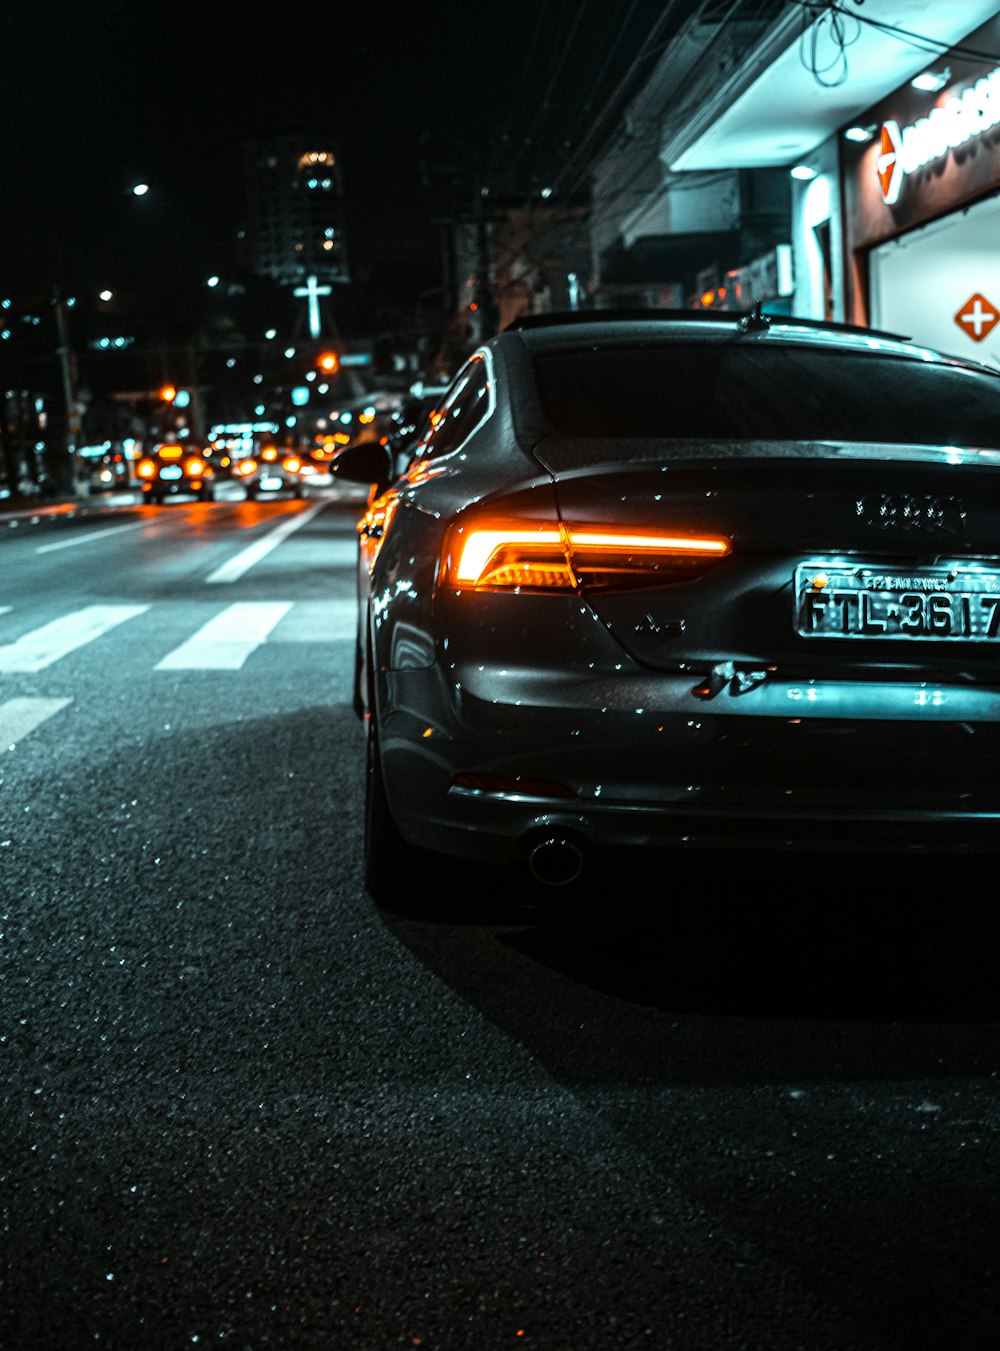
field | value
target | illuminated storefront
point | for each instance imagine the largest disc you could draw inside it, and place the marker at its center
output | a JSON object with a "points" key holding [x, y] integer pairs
{"points": [[921, 202]]}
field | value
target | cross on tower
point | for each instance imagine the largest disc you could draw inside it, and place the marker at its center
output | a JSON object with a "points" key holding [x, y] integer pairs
{"points": [[312, 290]]}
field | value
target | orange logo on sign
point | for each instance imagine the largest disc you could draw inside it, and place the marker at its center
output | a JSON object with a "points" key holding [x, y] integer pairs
{"points": [[977, 317], [889, 164]]}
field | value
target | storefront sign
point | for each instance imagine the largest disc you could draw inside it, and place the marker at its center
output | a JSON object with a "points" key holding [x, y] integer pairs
{"points": [[957, 120], [977, 317]]}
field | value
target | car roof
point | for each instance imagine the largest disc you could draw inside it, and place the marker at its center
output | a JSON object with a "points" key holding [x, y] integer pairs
{"points": [[548, 332]]}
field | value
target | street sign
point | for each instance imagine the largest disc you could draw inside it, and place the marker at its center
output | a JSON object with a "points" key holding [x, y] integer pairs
{"points": [[977, 318]]}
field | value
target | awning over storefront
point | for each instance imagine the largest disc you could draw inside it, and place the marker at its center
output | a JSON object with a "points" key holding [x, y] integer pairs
{"points": [[775, 109]]}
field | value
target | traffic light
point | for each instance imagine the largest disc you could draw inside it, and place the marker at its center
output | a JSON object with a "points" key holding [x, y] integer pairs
{"points": [[168, 393], [329, 362]]}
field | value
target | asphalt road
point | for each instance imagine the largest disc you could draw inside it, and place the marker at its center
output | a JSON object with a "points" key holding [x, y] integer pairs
{"points": [[703, 1105]]}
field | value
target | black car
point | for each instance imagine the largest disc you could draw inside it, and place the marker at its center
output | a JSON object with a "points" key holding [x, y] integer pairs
{"points": [[173, 468], [684, 581], [272, 470]]}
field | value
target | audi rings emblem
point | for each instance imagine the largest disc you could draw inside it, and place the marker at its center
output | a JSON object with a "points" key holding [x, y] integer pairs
{"points": [[912, 511]]}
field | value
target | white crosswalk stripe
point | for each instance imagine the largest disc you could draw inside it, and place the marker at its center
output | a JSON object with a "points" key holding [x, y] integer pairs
{"points": [[320, 621], [18, 717], [253, 553], [225, 642], [41, 647]]}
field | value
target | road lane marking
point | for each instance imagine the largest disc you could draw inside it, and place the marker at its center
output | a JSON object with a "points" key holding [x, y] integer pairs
{"points": [[18, 717], [225, 642], [321, 621], [91, 534], [253, 553], [41, 647]]}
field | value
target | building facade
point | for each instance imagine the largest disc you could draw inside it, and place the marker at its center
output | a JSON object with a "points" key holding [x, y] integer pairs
{"points": [[666, 237], [921, 204], [829, 163], [295, 210]]}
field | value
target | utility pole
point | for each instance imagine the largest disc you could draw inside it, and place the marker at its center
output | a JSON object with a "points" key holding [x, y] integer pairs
{"points": [[486, 292], [197, 409], [69, 473]]}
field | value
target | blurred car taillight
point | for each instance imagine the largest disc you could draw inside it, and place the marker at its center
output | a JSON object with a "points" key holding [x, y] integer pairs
{"points": [[146, 469]]}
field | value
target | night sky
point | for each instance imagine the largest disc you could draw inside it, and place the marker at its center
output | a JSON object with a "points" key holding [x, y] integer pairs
{"points": [[422, 104]]}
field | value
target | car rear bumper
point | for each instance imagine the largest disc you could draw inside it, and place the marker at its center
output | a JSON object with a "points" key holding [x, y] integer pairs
{"points": [[172, 487], [481, 763]]}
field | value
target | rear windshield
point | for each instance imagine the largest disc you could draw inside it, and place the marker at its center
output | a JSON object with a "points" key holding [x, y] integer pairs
{"points": [[745, 390]]}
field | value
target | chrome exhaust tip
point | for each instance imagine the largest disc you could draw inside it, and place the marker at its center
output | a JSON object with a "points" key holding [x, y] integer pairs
{"points": [[555, 861]]}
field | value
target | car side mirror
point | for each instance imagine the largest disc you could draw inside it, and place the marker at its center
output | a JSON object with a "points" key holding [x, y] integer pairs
{"points": [[366, 462]]}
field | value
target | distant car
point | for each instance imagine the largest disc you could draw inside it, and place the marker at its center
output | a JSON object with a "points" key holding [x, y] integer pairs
{"points": [[683, 581], [170, 469], [275, 470], [108, 472]]}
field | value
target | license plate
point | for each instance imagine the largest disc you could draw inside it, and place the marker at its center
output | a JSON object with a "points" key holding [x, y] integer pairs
{"points": [[269, 485], [171, 471], [962, 604]]}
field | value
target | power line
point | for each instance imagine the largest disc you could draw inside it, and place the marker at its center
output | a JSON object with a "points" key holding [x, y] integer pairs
{"points": [[679, 93], [614, 101], [621, 25], [545, 101], [833, 9], [514, 106], [585, 110], [809, 44]]}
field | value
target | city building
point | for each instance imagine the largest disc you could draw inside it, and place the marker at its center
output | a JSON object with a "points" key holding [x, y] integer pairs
{"points": [[295, 211], [837, 163], [667, 239], [921, 203]]}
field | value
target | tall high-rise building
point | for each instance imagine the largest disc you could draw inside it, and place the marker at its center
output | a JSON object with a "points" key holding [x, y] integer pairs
{"points": [[295, 212]]}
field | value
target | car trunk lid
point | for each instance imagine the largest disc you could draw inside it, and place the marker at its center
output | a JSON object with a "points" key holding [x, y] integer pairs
{"points": [[799, 517]]}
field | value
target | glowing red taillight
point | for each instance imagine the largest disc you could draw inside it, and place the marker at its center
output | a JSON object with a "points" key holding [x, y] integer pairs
{"points": [[512, 556], [552, 556]]}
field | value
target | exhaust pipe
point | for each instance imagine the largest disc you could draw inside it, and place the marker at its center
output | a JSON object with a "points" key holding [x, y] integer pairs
{"points": [[555, 861]]}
